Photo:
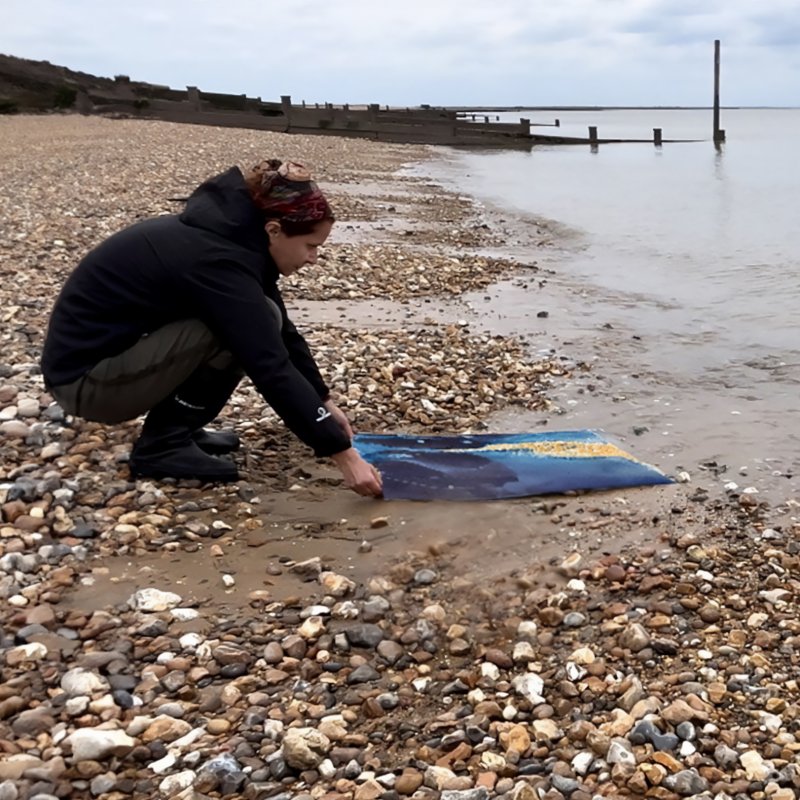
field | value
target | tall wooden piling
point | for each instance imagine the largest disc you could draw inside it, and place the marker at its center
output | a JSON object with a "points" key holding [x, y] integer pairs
{"points": [[657, 137], [719, 134], [593, 135]]}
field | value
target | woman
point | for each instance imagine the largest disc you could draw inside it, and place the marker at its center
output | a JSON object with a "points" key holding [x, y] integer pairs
{"points": [[166, 316]]}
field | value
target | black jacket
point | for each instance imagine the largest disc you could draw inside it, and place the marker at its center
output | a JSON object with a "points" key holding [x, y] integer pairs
{"points": [[210, 263]]}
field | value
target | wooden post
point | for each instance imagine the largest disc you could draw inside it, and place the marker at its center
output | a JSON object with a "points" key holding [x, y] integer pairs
{"points": [[486, 120], [525, 124], [719, 135], [657, 137], [558, 123], [593, 135], [193, 96], [286, 107]]}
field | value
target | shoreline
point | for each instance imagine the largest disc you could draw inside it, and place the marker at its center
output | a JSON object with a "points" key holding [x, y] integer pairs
{"points": [[602, 645], [649, 389]]}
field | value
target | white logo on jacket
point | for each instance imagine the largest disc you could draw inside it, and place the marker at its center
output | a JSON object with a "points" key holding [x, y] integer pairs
{"points": [[323, 413]]}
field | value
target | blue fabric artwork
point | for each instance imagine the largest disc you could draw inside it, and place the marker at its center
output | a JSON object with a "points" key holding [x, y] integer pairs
{"points": [[495, 466]]}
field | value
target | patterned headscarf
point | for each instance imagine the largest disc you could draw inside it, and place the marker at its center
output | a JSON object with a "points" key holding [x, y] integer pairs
{"points": [[286, 191]]}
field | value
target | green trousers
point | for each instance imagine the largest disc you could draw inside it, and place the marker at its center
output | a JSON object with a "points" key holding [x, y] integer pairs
{"points": [[130, 384]]}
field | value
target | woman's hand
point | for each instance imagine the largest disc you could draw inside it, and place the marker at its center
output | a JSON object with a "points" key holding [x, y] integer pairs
{"points": [[339, 416], [358, 475]]}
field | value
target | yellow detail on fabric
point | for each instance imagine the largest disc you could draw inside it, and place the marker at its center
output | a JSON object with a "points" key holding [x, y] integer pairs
{"points": [[556, 449]]}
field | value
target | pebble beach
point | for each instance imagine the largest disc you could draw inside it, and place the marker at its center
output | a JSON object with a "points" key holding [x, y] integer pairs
{"points": [[282, 638]]}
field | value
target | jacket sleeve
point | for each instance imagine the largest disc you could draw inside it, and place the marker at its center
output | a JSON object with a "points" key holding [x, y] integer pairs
{"points": [[300, 353], [231, 302]]}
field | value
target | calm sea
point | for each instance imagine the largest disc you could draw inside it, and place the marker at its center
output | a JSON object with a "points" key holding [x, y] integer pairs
{"points": [[688, 253]]}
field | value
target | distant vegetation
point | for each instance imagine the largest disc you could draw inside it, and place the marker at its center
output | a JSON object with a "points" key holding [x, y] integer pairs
{"points": [[27, 85]]}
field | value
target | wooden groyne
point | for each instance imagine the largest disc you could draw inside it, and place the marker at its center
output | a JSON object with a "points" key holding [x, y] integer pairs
{"points": [[423, 125]]}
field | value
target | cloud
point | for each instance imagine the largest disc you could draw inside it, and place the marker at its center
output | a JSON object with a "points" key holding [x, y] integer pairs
{"points": [[446, 51]]}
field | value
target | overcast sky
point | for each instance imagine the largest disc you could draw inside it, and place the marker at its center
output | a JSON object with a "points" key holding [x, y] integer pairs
{"points": [[447, 52]]}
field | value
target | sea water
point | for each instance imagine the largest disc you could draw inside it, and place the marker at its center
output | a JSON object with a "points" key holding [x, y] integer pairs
{"points": [[688, 249]]}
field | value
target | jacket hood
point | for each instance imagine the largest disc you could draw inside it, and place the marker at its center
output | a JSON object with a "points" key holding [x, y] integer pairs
{"points": [[222, 205]]}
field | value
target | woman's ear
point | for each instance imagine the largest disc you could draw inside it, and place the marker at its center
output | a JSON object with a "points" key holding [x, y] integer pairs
{"points": [[273, 228]]}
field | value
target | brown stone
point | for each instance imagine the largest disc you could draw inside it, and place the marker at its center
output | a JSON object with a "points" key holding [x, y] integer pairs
{"points": [[408, 782]]}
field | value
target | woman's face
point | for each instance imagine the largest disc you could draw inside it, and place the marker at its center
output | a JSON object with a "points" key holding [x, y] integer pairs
{"points": [[290, 253]]}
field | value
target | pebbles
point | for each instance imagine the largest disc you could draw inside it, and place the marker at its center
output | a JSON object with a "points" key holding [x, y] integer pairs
{"points": [[666, 670]]}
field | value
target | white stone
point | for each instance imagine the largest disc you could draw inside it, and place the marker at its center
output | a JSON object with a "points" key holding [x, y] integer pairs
{"points": [[618, 753], [439, 777], [492, 761], [190, 641], [583, 656], [336, 585], [164, 657], [104, 703], [582, 762], [574, 672], [510, 712], [8, 790], [163, 764], [757, 619], [527, 629], [173, 784], [35, 651], [475, 696], [776, 596], [79, 682], [305, 748], [326, 768], [315, 611], [188, 739], [771, 723], [754, 765], [27, 407], [523, 651], [312, 628], [95, 744], [184, 614], [346, 609], [273, 729], [52, 450], [75, 706], [530, 686], [154, 600]]}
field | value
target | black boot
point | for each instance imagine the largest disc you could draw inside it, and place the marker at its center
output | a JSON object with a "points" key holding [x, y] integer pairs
{"points": [[216, 442], [168, 447]]}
